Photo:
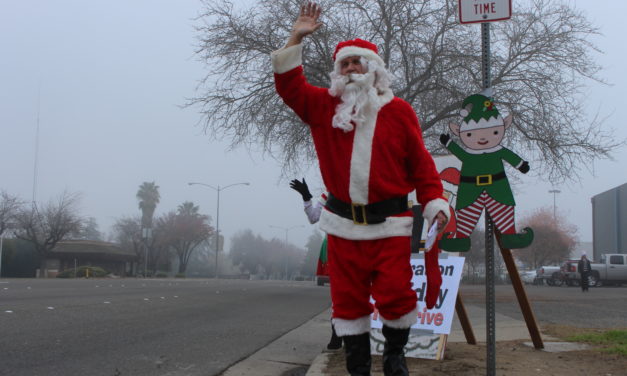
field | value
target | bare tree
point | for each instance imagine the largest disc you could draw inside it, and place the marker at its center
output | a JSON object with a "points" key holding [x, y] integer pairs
{"points": [[160, 245], [88, 231], [254, 254], [554, 239], [127, 232], [541, 60], [49, 224], [9, 207], [188, 230], [247, 251]]}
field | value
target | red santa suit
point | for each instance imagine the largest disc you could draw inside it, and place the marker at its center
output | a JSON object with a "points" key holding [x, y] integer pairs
{"points": [[382, 158]]}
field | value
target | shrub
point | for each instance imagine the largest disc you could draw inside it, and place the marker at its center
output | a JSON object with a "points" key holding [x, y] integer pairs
{"points": [[94, 272], [67, 273], [179, 275], [81, 271], [161, 275]]}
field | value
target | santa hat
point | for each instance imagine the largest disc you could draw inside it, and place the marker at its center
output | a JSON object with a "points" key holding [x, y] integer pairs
{"points": [[356, 47], [480, 112]]}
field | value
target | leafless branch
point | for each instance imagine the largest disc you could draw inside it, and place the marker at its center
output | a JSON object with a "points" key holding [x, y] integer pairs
{"points": [[541, 61]]}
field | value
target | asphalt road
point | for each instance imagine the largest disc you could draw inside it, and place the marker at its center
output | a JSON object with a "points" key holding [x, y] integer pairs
{"points": [[134, 327], [602, 307]]}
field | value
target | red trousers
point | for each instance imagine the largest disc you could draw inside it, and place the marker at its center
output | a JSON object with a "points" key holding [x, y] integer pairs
{"points": [[381, 268]]}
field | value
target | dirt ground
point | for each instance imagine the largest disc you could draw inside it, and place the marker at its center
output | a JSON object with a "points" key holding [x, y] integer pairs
{"points": [[513, 358]]}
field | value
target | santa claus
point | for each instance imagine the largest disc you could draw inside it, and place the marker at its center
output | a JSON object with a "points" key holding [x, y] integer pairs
{"points": [[371, 156]]}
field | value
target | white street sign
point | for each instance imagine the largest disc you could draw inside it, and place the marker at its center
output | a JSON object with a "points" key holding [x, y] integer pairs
{"points": [[472, 11]]}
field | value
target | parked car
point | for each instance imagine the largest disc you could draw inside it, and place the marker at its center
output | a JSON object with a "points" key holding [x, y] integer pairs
{"points": [[567, 274], [322, 279], [528, 277], [548, 274]]}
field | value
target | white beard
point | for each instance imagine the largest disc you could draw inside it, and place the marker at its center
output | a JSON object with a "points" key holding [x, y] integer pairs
{"points": [[359, 99]]}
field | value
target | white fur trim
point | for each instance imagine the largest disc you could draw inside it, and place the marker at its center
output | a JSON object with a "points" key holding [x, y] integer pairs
{"points": [[519, 164], [345, 327], [333, 224], [433, 207], [360, 159], [357, 51], [287, 58], [403, 322], [313, 211], [386, 97], [482, 123]]}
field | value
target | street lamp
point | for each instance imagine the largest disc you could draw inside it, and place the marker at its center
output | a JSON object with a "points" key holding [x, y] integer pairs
{"points": [[287, 229], [217, 189], [555, 192]]}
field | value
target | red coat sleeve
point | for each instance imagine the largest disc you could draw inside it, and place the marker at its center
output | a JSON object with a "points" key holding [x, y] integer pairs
{"points": [[423, 173], [306, 100]]}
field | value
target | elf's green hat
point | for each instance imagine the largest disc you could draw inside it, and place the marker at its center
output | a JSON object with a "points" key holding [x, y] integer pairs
{"points": [[479, 112]]}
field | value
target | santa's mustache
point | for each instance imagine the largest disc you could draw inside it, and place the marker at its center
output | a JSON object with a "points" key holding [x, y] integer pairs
{"points": [[351, 82]]}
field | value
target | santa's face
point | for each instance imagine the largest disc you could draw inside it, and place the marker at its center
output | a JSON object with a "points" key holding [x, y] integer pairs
{"points": [[352, 64], [481, 139]]}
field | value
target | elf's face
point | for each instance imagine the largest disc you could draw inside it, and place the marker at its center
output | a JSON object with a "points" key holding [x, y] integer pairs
{"points": [[481, 139]]}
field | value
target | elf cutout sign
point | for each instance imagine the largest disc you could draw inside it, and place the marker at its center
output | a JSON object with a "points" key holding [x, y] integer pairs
{"points": [[483, 183]]}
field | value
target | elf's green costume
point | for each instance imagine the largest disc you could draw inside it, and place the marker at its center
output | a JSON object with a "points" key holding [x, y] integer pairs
{"points": [[483, 183]]}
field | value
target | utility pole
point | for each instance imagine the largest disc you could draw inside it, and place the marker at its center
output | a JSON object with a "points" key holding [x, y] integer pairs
{"points": [[555, 192], [218, 189]]}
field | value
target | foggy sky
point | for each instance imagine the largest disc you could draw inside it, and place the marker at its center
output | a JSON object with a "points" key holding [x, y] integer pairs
{"points": [[108, 79]]}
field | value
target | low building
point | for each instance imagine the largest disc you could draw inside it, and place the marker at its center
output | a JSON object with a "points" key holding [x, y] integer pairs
{"points": [[108, 256]]}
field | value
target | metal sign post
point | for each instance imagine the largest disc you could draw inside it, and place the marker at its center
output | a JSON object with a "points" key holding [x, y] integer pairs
{"points": [[486, 11], [489, 229]]}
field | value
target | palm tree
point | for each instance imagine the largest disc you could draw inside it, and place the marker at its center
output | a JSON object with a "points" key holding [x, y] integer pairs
{"points": [[188, 208], [148, 196]]}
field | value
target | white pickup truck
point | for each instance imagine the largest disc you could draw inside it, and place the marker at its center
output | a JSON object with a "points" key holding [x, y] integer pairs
{"points": [[612, 269], [548, 274]]}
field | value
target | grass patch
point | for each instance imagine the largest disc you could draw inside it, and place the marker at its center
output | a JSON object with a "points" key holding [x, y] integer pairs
{"points": [[613, 341]]}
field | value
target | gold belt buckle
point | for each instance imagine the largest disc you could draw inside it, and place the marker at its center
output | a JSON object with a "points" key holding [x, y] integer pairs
{"points": [[363, 213], [479, 177]]}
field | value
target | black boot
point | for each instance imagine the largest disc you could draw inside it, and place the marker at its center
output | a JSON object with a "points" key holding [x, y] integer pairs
{"points": [[393, 352], [358, 354], [335, 342]]}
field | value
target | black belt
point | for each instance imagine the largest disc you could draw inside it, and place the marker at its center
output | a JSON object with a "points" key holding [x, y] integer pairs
{"points": [[482, 179], [367, 214]]}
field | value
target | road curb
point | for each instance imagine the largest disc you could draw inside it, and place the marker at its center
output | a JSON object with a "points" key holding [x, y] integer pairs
{"points": [[318, 365], [298, 348]]}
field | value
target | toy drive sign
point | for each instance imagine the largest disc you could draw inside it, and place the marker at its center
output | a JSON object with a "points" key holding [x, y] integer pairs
{"points": [[471, 11], [437, 320]]}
